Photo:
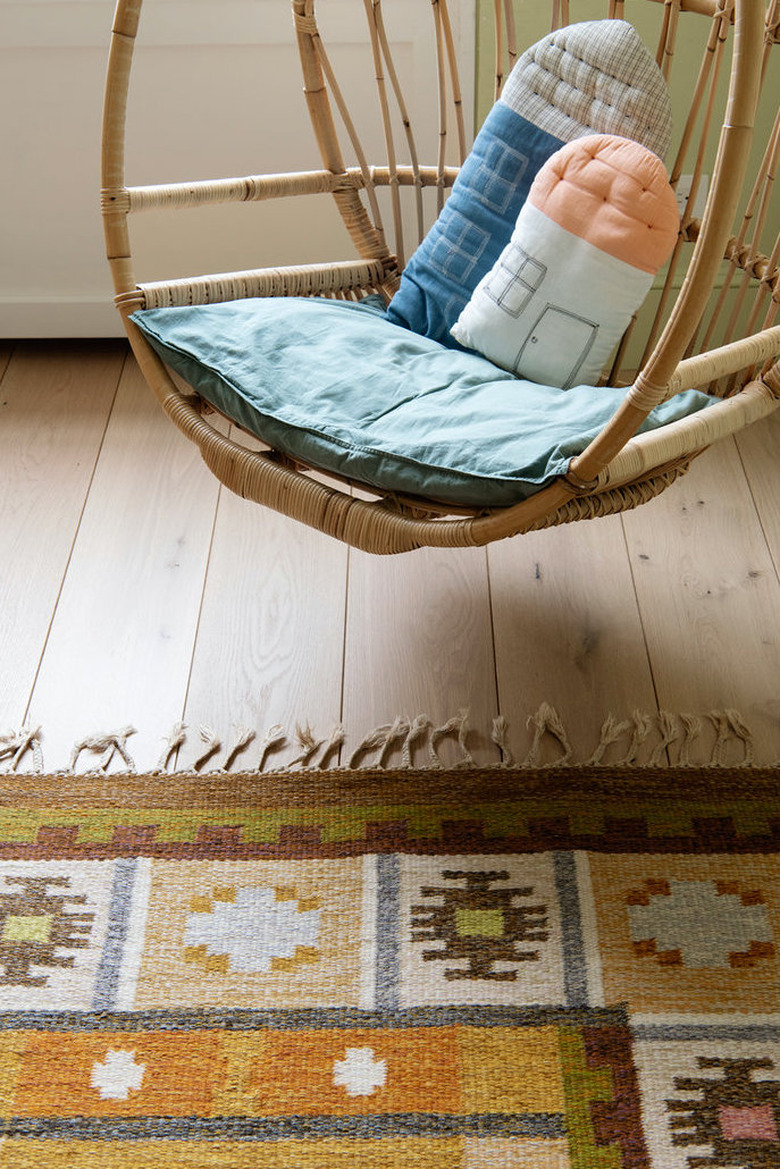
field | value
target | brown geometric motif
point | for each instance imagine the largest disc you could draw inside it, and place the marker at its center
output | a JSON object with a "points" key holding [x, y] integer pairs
{"points": [[480, 924], [738, 1116], [34, 924]]}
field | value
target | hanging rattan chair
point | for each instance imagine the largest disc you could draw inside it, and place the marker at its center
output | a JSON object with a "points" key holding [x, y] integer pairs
{"points": [[713, 330]]}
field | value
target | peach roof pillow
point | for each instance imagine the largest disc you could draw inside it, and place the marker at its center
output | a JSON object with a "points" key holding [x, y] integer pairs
{"points": [[600, 221]]}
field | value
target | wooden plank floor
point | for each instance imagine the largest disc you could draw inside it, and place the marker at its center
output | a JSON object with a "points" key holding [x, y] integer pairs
{"points": [[135, 592]]}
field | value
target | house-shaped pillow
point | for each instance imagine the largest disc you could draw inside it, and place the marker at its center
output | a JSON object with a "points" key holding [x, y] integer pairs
{"points": [[600, 220], [595, 77]]}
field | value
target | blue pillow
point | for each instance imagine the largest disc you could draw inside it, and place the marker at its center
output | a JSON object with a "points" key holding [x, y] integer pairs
{"points": [[336, 385], [594, 77]]}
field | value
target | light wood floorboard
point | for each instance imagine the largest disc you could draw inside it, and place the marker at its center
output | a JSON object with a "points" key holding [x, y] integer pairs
{"points": [[759, 448], [136, 591], [121, 642], [708, 594], [54, 407], [419, 643], [568, 633], [271, 640]]}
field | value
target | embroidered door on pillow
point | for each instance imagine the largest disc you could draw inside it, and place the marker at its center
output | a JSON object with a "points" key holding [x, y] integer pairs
{"points": [[556, 330]]}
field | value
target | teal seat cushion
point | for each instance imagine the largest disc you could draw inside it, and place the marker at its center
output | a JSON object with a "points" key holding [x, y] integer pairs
{"points": [[338, 386]]}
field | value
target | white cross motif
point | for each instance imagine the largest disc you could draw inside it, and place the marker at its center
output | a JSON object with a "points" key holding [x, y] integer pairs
{"points": [[360, 1073], [118, 1075]]}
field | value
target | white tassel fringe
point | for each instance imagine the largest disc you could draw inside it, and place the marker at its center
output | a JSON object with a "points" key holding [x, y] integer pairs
{"points": [[655, 740]]}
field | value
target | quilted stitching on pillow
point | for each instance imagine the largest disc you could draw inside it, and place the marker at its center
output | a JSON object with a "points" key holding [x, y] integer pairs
{"points": [[595, 77]]}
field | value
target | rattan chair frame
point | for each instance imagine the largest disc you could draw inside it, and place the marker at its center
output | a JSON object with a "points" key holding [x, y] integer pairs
{"points": [[619, 469]]}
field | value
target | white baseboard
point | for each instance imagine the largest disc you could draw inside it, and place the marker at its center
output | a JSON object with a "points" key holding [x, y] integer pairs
{"points": [[76, 316]]}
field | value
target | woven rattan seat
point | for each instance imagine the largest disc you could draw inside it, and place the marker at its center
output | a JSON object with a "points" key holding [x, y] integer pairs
{"points": [[714, 328]]}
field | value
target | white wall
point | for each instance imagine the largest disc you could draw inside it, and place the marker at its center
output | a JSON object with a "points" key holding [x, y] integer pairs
{"points": [[216, 91]]}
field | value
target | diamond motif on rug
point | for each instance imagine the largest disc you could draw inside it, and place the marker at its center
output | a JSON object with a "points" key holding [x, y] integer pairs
{"points": [[360, 1073], [250, 934], [117, 1075]]}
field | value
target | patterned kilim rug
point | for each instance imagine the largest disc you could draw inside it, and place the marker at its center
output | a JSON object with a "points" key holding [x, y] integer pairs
{"points": [[549, 969]]}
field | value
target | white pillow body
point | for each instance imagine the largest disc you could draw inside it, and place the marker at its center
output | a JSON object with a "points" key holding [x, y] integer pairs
{"points": [[599, 222]]}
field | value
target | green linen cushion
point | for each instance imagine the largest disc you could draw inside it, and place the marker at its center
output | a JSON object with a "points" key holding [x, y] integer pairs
{"points": [[336, 385]]}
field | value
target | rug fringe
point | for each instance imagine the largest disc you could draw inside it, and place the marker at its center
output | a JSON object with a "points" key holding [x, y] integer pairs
{"points": [[691, 730], [669, 732], [651, 739], [175, 740], [308, 744], [547, 721], [107, 746], [459, 727], [273, 740], [729, 724], [417, 730], [15, 744]]}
